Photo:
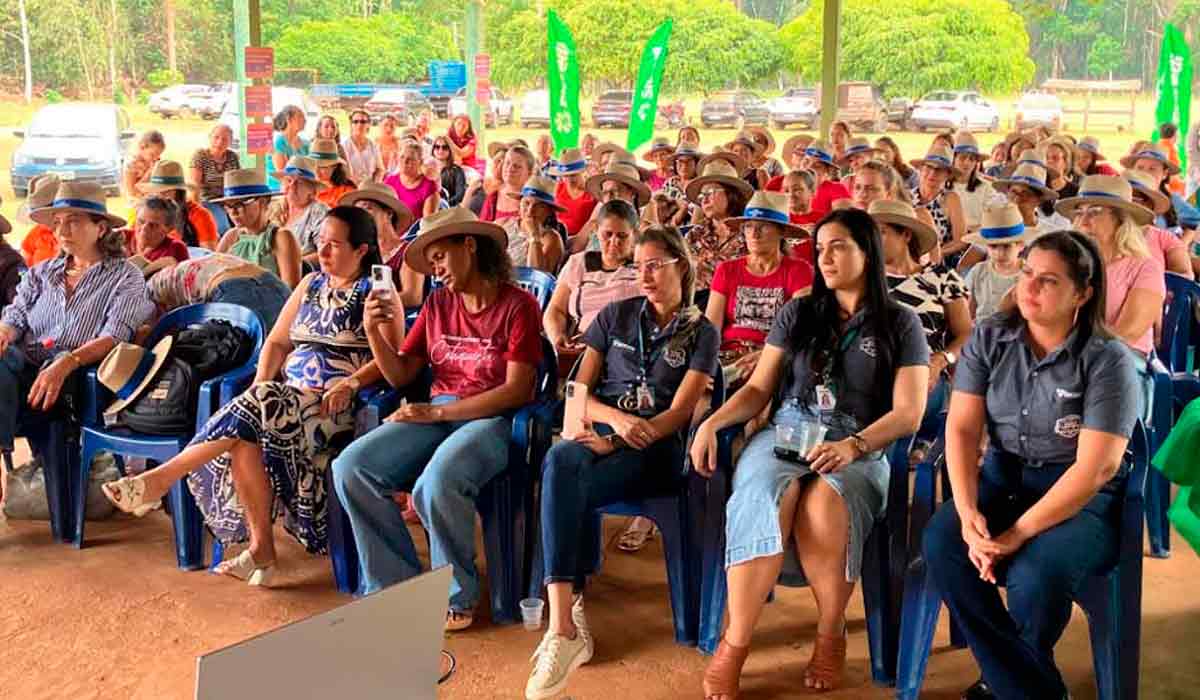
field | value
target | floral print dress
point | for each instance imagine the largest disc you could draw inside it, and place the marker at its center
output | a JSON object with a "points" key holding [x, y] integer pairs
{"points": [[284, 419]]}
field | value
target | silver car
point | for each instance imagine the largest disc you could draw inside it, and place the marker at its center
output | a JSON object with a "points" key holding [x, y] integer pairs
{"points": [[535, 109]]}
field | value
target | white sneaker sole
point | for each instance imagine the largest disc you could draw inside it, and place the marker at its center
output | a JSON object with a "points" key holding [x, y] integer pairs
{"points": [[584, 656]]}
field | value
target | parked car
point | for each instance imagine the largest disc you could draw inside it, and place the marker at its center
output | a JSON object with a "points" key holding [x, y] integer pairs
{"points": [[405, 104], [1038, 109], [736, 108], [861, 105], [500, 108], [899, 112], [280, 98], [76, 141], [213, 103], [612, 108], [535, 109], [178, 100], [955, 110], [796, 106]]}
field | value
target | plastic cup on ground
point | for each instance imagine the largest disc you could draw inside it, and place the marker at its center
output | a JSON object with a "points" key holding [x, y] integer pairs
{"points": [[531, 613]]}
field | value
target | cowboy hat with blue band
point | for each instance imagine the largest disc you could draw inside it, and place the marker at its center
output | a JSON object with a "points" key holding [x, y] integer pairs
{"points": [[1151, 152], [857, 146], [769, 207], [1027, 174], [1108, 191], [167, 176], [999, 225], [686, 151], [938, 157], [1143, 183], [1033, 156], [658, 145], [820, 152], [128, 370], [325, 152], [302, 168], [571, 162], [1091, 144], [81, 197], [964, 142], [246, 183], [540, 189]]}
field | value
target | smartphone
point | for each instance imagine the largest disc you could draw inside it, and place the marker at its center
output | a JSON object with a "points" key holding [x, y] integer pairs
{"points": [[381, 279], [576, 409]]}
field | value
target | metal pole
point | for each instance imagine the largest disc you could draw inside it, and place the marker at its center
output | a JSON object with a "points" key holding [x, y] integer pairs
{"points": [[474, 43], [241, 38], [830, 41]]}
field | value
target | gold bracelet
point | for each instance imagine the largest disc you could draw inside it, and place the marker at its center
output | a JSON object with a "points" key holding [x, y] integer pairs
{"points": [[78, 362]]}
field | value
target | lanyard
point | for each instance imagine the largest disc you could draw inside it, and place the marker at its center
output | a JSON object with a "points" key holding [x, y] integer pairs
{"points": [[827, 378], [646, 364]]}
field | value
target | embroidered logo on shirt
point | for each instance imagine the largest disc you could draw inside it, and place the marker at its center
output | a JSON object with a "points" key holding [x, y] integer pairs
{"points": [[867, 345], [623, 346], [675, 358], [1068, 426], [1061, 394]]}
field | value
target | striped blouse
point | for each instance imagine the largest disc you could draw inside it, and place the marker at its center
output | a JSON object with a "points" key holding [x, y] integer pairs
{"points": [[110, 300]]}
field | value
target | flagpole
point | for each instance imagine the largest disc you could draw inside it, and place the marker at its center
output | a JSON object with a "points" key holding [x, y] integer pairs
{"points": [[474, 41]]}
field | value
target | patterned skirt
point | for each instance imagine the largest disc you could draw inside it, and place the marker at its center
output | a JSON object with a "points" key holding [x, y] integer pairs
{"points": [[296, 441]]}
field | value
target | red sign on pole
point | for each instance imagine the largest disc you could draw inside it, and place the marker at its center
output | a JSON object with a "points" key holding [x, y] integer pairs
{"points": [[483, 91], [483, 65], [258, 101], [258, 138], [260, 62]]}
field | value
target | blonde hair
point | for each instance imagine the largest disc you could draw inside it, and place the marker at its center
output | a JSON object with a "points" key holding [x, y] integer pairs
{"points": [[891, 180], [1129, 239]]}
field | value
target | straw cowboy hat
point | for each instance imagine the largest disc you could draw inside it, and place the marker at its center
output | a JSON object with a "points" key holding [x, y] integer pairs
{"points": [[800, 141], [44, 189], [745, 138], [167, 176], [1145, 184], [1152, 152], [902, 214], [1068, 147], [245, 184], [734, 160], [1109, 191], [658, 145], [771, 207], [1032, 156], [380, 194], [999, 224], [624, 173], [601, 148], [1091, 144], [686, 151], [854, 147], [821, 153], [570, 162], [721, 172], [455, 221], [766, 134], [964, 142], [541, 189], [626, 157], [1031, 175], [128, 370], [148, 268], [82, 197], [938, 157], [302, 168], [496, 147], [324, 152]]}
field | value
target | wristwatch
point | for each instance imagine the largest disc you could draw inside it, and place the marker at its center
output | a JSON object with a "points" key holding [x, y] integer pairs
{"points": [[354, 383], [860, 444], [951, 358]]}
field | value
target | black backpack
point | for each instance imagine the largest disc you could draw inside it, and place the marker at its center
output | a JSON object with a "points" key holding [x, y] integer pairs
{"points": [[168, 405], [212, 348]]}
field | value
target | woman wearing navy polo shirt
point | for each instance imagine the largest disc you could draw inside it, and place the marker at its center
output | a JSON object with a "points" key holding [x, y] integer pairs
{"points": [[1058, 395], [647, 364]]}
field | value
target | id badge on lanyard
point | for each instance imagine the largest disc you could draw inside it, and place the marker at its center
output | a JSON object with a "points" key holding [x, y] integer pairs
{"points": [[827, 391]]}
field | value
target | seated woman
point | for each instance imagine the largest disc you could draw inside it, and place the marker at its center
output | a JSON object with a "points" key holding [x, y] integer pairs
{"points": [[150, 241], [479, 335], [820, 160], [747, 293], [852, 358], [452, 176], [194, 226], [1058, 397], [1167, 248], [43, 339], [534, 239], [331, 170], [719, 194], [219, 278], [266, 448], [591, 281], [207, 170], [299, 210], [253, 237], [935, 293], [934, 194], [638, 411], [1026, 188], [973, 191], [392, 222], [1089, 160]]}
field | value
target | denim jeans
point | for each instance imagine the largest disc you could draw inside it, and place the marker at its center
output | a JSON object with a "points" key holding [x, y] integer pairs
{"points": [[935, 409], [576, 481], [220, 216], [265, 295], [16, 377], [1015, 646], [444, 465]]}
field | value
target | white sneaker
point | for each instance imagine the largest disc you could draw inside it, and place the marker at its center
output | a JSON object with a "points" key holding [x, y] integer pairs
{"points": [[581, 625], [554, 660]]}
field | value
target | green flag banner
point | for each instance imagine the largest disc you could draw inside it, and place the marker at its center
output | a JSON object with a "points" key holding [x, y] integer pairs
{"points": [[562, 70], [645, 94], [1174, 87]]}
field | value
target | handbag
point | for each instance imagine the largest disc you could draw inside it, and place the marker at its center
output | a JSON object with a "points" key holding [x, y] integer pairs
{"points": [[168, 406]]}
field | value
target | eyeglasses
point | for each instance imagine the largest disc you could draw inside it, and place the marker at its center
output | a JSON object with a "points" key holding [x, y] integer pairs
{"points": [[238, 205], [440, 147], [360, 121], [711, 192], [653, 266], [1091, 212]]}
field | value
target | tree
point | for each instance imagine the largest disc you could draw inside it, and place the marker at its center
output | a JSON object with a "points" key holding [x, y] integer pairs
{"points": [[917, 47], [1105, 56], [383, 48]]}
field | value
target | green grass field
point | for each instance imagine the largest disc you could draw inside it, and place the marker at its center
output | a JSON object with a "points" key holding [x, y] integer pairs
{"points": [[183, 136]]}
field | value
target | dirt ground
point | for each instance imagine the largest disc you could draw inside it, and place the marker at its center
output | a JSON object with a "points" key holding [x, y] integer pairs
{"points": [[117, 619]]}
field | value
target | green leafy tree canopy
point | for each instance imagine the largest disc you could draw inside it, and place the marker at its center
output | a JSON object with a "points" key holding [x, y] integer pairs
{"points": [[389, 47]]}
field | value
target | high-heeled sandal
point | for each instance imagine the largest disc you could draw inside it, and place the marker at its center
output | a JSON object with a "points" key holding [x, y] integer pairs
{"points": [[245, 568], [724, 673], [828, 663], [129, 495]]}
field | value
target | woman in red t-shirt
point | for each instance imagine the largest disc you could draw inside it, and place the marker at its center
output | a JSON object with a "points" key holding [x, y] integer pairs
{"points": [[748, 292], [479, 335], [150, 239], [819, 159]]}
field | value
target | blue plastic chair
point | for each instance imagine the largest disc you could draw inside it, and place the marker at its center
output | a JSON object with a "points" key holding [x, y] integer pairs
{"points": [[1176, 350], [212, 394], [1112, 601], [505, 503], [539, 284], [883, 560], [198, 251]]}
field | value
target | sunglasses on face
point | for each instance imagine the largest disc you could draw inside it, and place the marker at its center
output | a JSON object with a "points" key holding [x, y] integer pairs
{"points": [[360, 121], [440, 147]]}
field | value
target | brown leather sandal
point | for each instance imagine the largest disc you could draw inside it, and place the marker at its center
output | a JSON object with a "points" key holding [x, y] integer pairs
{"points": [[828, 663], [723, 674]]}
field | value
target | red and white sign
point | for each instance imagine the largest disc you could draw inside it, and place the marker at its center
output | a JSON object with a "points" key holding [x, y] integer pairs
{"points": [[258, 101], [483, 91], [483, 65], [259, 138], [260, 62]]}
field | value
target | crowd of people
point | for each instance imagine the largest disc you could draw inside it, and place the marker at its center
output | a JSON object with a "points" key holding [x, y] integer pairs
{"points": [[1003, 300]]}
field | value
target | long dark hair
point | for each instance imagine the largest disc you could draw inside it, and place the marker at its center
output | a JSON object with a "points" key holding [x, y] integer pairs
{"points": [[491, 260], [904, 169], [819, 324], [1085, 267], [361, 232], [183, 224], [280, 122]]}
